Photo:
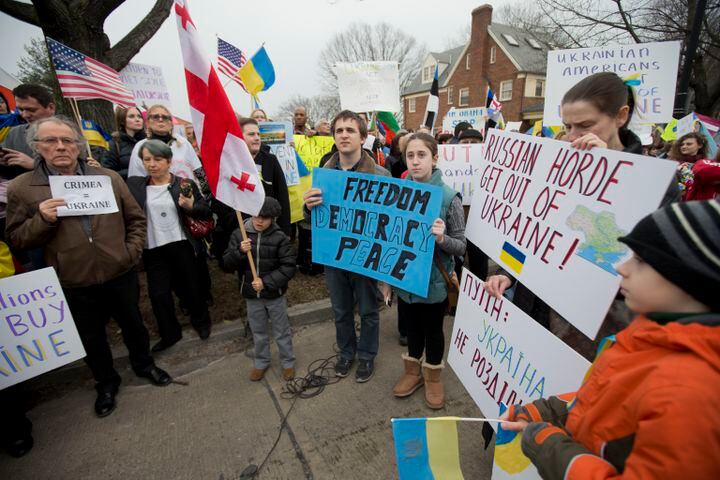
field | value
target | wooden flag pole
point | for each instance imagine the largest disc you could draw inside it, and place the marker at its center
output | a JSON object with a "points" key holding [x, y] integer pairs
{"points": [[76, 112], [243, 232]]}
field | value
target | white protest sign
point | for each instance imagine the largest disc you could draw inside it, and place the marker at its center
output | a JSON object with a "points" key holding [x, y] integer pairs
{"points": [[369, 142], [369, 86], [460, 167], [147, 84], [655, 63], [686, 125], [513, 126], [551, 215], [500, 354], [474, 116], [37, 332], [278, 135], [83, 194]]}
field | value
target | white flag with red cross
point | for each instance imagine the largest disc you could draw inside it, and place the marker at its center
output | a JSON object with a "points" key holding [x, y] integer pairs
{"points": [[230, 169]]}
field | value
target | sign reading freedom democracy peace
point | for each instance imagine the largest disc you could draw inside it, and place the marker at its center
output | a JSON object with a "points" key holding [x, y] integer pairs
{"points": [[550, 215], [460, 167], [376, 226], [37, 332]]}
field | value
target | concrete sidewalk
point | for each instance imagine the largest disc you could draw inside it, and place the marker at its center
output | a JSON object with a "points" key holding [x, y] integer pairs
{"points": [[219, 423]]}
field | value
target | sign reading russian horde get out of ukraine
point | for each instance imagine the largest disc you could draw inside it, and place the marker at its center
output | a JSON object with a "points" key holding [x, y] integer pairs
{"points": [[37, 332], [376, 226], [650, 68], [550, 215]]}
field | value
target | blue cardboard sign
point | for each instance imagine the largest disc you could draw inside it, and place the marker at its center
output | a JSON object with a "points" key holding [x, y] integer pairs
{"points": [[376, 226]]}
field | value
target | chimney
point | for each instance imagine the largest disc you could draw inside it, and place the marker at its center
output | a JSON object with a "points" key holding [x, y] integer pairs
{"points": [[481, 19]]}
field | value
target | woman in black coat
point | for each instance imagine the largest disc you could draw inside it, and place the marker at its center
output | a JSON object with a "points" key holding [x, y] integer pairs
{"points": [[131, 129], [171, 252]]}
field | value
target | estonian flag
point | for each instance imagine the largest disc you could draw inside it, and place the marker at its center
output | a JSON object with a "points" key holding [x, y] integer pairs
{"points": [[433, 103]]}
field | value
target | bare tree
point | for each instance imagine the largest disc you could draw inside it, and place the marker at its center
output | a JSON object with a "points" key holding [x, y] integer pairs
{"points": [[317, 108], [460, 37], [80, 25], [588, 23], [364, 42]]}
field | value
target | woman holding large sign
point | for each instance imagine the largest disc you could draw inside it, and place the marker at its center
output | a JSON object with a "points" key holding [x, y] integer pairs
{"points": [[425, 315]]}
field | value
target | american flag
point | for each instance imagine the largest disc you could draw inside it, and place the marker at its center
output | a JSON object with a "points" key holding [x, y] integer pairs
{"points": [[83, 77], [230, 59]]}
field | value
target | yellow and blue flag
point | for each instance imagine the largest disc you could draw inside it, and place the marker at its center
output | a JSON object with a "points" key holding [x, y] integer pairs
{"points": [[258, 74], [427, 448], [95, 135], [7, 121], [508, 451], [670, 132], [512, 257]]}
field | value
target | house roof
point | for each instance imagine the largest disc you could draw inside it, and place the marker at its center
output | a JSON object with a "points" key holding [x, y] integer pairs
{"points": [[524, 55]]}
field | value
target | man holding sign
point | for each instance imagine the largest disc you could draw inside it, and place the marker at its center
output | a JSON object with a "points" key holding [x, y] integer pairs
{"points": [[94, 255], [345, 287]]}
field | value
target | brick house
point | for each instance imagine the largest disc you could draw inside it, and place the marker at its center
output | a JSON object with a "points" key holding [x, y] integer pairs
{"points": [[510, 60]]}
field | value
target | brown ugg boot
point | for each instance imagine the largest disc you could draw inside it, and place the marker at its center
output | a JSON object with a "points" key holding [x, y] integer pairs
{"points": [[434, 391], [411, 380]]}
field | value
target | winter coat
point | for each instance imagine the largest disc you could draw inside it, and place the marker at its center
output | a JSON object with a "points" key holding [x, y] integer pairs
{"points": [[120, 148], [647, 410], [84, 250], [273, 257], [273, 180], [200, 210], [706, 181]]}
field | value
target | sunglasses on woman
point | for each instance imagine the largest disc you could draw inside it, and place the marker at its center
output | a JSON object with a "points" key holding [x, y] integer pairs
{"points": [[158, 117]]}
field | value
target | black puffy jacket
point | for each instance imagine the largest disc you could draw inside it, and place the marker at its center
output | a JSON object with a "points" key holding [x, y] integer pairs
{"points": [[117, 157], [273, 257], [273, 180]]}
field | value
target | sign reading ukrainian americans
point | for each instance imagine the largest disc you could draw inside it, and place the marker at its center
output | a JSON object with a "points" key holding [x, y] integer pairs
{"points": [[83, 194], [376, 226]]}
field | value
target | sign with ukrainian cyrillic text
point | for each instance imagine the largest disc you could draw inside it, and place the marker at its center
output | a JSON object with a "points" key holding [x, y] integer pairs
{"points": [[37, 332], [550, 215], [83, 194], [376, 226]]}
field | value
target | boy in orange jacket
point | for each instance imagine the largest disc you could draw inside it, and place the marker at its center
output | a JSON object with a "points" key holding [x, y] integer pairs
{"points": [[649, 406]]}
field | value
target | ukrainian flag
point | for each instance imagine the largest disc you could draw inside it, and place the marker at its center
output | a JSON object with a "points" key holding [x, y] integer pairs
{"points": [[95, 135], [427, 448], [258, 74], [512, 257], [508, 452], [7, 121]]}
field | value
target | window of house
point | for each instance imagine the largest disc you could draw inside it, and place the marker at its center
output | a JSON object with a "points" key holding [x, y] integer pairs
{"points": [[539, 88], [464, 97], [506, 90], [511, 40], [493, 54], [534, 43], [428, 73], [467, 62], [411, 105], [450, 95]]}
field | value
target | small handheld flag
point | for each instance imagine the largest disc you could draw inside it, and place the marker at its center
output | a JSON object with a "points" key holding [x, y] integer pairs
{"points": [[258, 74], [433, 103], [230, 60]]}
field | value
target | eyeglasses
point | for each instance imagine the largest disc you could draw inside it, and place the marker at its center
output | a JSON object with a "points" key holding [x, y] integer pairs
{"points": [[159, 117], [52, 141]]}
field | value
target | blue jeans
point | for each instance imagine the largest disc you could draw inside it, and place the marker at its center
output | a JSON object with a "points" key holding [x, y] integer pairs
{"points": [[346, 289]]}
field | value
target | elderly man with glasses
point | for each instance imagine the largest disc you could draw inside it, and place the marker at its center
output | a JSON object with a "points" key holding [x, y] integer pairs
{"points": [[94, 256]]}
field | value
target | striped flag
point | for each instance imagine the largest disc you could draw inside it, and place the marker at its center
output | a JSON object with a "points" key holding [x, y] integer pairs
{"points": [[433, 103], [230, 60], [82, 77], [427, 448]]}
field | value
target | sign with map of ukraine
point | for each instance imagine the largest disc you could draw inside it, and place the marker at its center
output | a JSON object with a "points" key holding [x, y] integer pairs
{"points": [[550, 215]]}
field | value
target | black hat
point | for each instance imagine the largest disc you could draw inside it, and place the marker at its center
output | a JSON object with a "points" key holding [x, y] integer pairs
{"points": [[460, 127], [271, 208], [470, 133], [682, 243]]}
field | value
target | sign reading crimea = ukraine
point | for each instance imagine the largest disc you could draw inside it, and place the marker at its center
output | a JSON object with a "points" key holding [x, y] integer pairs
{"points": [[550, 215], [376, 226]]}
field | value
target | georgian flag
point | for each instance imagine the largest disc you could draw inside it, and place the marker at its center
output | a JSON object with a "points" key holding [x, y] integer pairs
{"points": [[230, 169], [433, 103]]}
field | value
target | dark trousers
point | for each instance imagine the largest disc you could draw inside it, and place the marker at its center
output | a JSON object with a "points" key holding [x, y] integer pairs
{"points": [[91, 309], [403, 318], [15, 424], [173, 267], [425, 330], [304, 253]]}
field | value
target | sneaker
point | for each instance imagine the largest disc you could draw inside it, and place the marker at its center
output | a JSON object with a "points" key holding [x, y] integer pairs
{"points": [[365, 371], [342, 367]]}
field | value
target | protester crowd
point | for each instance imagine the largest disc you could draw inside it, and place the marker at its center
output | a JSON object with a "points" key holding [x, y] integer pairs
{"points": [[167, 217]]}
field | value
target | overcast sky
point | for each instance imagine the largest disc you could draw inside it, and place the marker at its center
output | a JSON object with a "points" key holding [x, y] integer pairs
{"points": [[294, 32]]}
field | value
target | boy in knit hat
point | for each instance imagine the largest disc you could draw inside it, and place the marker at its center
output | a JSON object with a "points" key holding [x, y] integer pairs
{"points": [[265, 296], [648, 406]]}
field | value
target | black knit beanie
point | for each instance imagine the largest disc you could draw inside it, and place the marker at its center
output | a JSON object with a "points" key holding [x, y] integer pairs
{"points": [[271, 208], [682, 242]]}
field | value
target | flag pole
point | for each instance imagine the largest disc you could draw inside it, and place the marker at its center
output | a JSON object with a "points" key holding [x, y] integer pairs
{"points": [[78, 118], [243, 232]]}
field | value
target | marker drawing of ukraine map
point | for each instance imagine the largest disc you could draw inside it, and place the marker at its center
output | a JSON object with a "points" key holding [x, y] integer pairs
{"points": [[601, 232]]}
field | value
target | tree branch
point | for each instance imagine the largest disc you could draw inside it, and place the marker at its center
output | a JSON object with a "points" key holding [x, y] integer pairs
{"points": [[101, 9], [25, 12], [626, 21], [119, 55]]}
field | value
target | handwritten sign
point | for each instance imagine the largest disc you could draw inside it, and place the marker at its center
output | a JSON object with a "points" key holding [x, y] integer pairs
{"points": [[278, 135], [460, 167], [376, 226], [656, 65], [501, 355], [37, 332], [147, 84], [687, 124], [83, 194], [474, 116], [551, 215], [312, 149], [369, 86]]}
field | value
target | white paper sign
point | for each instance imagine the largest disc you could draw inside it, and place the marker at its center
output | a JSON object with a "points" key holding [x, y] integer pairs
{"points": [[550, 215], [513, 126], [278, 135], [460, 167], [474, 116], [369, 86], [657, 64], [147, 84], [369, 142], [37, 332], [500, 354], [686, 125], [83, 194]]}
